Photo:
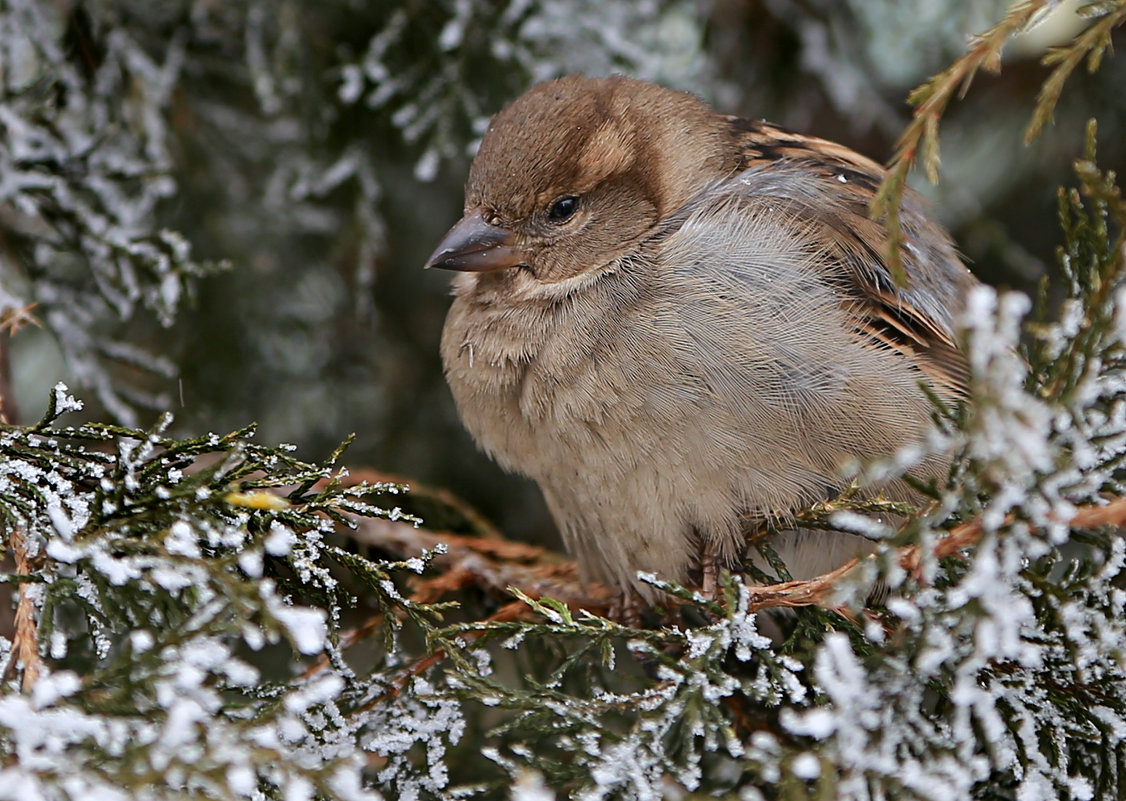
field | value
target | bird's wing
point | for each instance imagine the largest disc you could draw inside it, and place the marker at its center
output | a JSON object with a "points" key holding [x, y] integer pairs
{"points": [[830, 187]]}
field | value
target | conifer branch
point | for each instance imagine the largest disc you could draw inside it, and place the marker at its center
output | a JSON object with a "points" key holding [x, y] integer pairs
{"points": [[1091, 44], [494, 565], [817, 590], [930, 101]]}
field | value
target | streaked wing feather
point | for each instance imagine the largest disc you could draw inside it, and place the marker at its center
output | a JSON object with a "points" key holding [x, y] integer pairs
{"points": [[886, 316]]}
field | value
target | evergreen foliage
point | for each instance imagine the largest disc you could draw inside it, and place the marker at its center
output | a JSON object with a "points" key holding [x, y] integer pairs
{"points": [[208, 617], [164, 573]]}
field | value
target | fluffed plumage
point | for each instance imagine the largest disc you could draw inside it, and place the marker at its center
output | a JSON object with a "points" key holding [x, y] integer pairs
{"points": [[677, 322]]}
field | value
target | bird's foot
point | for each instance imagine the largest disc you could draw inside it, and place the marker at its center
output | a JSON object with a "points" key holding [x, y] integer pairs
{"points": [[626, 609], [709, 569]]}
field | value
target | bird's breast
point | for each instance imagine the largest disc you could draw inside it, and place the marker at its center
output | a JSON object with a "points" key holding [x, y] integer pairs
{"points": [[537, 383]]}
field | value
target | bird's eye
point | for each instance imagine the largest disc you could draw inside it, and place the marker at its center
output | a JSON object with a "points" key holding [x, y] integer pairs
{"points": [[562, 209]]}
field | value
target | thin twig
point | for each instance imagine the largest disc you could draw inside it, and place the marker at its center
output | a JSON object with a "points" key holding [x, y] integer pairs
{"points": [[920, 137], [1090, 44], [491, 564], [26, 642]]}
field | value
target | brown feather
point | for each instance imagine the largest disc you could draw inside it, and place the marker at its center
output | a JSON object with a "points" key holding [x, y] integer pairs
{"points": [[886, 317]]}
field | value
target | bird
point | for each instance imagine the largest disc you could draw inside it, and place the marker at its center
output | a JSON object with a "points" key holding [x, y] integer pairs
{"points": [[681, 323]]}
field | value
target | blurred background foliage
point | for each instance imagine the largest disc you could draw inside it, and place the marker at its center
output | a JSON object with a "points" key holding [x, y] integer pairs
{"points": [[239, 195]]}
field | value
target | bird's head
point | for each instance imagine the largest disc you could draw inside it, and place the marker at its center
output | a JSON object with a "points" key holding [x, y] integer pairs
{"points": [[577, 171]]}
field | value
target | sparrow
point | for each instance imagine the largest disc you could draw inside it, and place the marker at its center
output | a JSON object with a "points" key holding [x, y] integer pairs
{"points": [[681, 324]]}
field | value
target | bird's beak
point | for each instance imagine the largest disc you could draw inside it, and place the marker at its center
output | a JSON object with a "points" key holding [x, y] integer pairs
{"points": [[473, 245]]}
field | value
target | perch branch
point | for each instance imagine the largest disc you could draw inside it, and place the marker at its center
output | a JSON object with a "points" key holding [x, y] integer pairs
{"points": [[493, 564], [818, 590]]}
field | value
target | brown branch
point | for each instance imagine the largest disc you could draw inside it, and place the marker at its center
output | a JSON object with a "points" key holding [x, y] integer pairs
{"points": [[25, 646], [818, 590], [491, 564], [801, 592], [968, 534], [1113, 514], [494, 565]]}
